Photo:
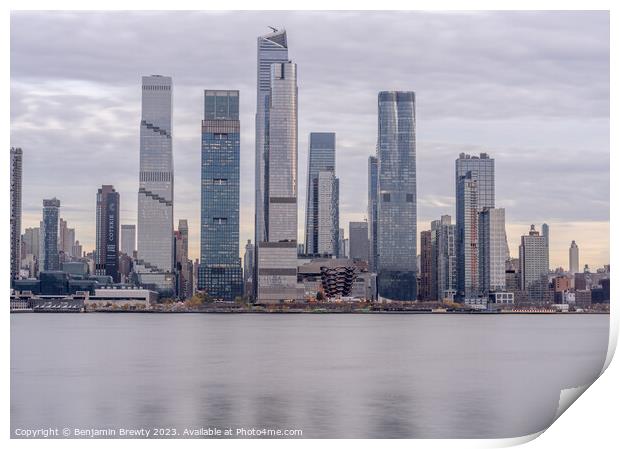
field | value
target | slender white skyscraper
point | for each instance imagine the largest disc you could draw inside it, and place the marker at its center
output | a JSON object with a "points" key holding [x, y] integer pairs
{"points": [[277, 251], [155, 195], [271, 48], [573, 255]]}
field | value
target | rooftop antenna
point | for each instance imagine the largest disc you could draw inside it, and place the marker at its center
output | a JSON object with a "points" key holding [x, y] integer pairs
{"points": [[275, 30]]}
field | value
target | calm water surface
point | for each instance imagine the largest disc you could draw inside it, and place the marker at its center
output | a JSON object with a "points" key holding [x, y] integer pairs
{"points": [[356, 376]]}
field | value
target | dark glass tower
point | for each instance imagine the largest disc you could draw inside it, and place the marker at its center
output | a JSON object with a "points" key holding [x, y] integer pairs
{"points": [[220, 267], [106, 245], [396, 204], [49, 236]]}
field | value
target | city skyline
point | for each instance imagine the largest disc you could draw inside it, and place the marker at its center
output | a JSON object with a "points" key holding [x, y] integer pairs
{"points": [[518, 170]]}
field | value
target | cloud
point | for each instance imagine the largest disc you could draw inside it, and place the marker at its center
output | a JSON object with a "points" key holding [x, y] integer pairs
{"points": [[531, 89]]}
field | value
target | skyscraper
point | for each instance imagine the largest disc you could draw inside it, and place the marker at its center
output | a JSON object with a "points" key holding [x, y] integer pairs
{"points": [[326, 218], [128, 239], [443, 248], [372, 212], [492, 250], [272, 48], [396, 210], [16, 210], [30, 242], [475, 190], [48, 238], [321, 158], [534, 264], [277, 249], [573, 256], [220, 267], [248, 268], [359, 246], [426, 266], [107, 235], [156, 192], [467, 236], [182, 262]]}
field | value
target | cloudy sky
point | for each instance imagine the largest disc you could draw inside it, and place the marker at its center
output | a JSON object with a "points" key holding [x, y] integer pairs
{"points": [[531, 89]]}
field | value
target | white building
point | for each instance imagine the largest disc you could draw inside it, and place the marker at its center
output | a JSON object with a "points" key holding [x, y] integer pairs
{"points": [[573, 256], [155, 194], [534, 264]]}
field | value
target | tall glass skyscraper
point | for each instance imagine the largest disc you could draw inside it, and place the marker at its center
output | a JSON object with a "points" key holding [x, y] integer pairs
{"points": [[396, 208], [272, 48], [155, 195], [107, 232], [372, 212], [220, 274], [48, 238], [16, 210], [475, 190], [322, 158], [277, 250]]}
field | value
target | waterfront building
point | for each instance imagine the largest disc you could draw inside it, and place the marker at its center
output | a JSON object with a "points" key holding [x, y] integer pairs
{"points": [[467, 236], [128, 239], [16, 210], [182, 262], [492, 250], [220, 274], [272, 48], [154, 265], [573, 256], [426, 266], [359, 246], [372, 212], [396, 209], [443, 254], [66, 240], [248, 268], [48, 238], [277, 248], [321, 159], [475, 190], [534, 265], [107, 235], [76, 250]]}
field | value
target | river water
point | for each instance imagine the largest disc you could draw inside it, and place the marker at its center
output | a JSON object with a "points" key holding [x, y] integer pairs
{"points": [[328, 375]]}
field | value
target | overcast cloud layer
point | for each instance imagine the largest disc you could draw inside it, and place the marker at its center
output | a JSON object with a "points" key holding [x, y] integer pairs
{"points": [[531, 89]]}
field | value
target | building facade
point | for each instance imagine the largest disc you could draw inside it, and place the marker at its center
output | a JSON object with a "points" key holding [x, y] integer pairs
{"points": [[107, 232], [326, 217], [475, 190], [16, 210], [396, 205], [573, 258], [534, 265], [220, 274], [156, 190], [467, 236], [359, 246], [248, 269], [321, 158], [272, 48], [372, 212], [277, 250], [492, 250], [48, 236], [426, 266], [128, 239], [443, 247]]}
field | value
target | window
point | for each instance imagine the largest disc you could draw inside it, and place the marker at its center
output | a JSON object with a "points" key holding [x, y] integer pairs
{"points": [[386, 197], [410, 197]]}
